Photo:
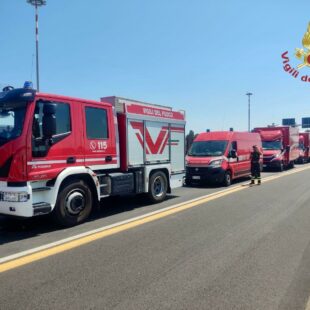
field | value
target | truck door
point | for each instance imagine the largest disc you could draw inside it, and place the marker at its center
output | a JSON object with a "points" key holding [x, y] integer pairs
{"points": [[234, 162], [100, 147], [46, 158]]}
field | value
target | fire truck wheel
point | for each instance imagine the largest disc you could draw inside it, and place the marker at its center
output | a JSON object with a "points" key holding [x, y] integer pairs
{"points": [[227, 178], [158, 187], [74, 204]]}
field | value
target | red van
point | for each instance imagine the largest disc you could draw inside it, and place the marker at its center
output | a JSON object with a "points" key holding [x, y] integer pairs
{"points": [[220, 156]]}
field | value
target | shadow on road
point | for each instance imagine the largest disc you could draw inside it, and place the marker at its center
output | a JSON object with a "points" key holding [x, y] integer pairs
{"points": [[15, 229], [12, 229], [215, 185]]}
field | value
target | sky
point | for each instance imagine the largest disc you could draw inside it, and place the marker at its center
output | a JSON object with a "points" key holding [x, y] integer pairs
{"points": [[201, 56]]}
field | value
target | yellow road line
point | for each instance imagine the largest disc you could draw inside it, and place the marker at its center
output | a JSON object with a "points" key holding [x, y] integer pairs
{"points": [[27, 259]]}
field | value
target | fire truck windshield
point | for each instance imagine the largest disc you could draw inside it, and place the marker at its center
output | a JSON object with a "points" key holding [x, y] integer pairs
{"points": [[208, 148], [11, 121], [272, 145]]}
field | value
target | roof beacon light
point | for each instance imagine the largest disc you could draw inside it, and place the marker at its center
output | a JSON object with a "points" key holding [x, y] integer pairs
{"points": [[28, 85]]}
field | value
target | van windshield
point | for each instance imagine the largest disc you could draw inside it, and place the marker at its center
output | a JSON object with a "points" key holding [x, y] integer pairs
{"points": [[272, 145], [208, 148], [11, 122]]}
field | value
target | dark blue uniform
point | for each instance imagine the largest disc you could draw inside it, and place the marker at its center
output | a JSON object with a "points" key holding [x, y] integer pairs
{"points": [[255, 166]]}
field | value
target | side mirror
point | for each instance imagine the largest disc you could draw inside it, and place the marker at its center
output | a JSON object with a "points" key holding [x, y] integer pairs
{"points": [[49, 120]]}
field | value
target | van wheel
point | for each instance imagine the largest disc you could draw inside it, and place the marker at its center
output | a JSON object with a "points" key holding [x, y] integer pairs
{"points": [[74, 204], [158, 187], [292, 165], [188, 182], [281, 168], [227, 179]]}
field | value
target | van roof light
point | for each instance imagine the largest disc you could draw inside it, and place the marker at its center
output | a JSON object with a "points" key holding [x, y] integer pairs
{"points": [[28, 85]]}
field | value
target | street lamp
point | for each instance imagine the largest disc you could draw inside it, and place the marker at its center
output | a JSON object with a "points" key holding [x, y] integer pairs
{"points": [[249, 111], [36, 4]]}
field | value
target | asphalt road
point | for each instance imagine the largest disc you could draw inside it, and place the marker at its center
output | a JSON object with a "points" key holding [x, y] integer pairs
{"points": [[249, 249]]}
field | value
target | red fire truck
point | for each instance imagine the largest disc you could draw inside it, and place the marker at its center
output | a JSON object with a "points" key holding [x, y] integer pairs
{"points": [[304, 143], [62, 155], [280, 146]]}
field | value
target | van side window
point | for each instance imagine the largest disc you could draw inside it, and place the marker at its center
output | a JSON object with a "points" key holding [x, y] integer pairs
{"points": [[233, 145], [96, 123], [63, 127]]}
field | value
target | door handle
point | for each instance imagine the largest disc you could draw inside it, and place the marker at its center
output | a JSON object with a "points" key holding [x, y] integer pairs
{"points": [[71, 160], [108, 158]]}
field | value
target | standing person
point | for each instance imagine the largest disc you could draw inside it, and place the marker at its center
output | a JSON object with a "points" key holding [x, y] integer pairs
{"points": [[255, 165]]}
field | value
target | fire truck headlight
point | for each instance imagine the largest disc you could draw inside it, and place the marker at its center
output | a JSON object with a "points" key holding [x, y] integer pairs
{"points": [[23, 197], [14, 196]]}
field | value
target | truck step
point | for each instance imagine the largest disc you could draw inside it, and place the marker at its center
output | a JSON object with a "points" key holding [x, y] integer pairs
{"points": [[41, 189], [40, 208]]}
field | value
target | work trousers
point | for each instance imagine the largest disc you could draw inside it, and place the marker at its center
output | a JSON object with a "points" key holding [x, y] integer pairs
{"points": [[255, 171]]}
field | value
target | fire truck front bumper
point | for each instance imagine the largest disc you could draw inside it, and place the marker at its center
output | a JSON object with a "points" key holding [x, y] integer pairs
{"points": [[16, 200]]}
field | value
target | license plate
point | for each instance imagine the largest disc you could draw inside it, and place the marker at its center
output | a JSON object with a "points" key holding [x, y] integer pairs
{"points": [[196, 177]]}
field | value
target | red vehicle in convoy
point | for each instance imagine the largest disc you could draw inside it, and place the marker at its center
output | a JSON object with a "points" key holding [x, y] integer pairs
{"points": [[63, 155], [280, 146], [304, 143], [220, 156]]}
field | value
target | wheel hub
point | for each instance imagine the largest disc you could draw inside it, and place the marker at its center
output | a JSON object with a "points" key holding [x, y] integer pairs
{"points": [[75, 203], [158, 187]]}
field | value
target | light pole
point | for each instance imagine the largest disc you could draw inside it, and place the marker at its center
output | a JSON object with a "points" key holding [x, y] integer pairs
{"points": [[36, 4], [249, 110]]}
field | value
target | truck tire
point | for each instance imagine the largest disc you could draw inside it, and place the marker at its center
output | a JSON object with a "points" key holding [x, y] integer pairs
{"points": [[227, 179], [74, 204], [158, 187]]}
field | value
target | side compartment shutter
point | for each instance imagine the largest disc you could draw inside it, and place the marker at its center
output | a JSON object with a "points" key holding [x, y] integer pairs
{"points": [[157, 142], [135, 142], [177, 148]]}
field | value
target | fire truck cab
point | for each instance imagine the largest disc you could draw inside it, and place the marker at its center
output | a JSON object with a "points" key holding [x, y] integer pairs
{"points": [[62, 155]]}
